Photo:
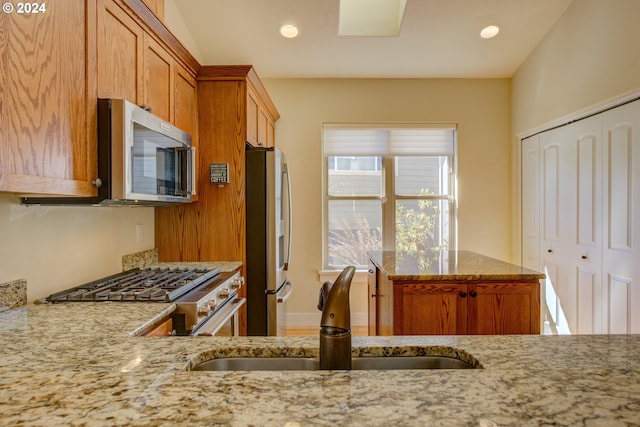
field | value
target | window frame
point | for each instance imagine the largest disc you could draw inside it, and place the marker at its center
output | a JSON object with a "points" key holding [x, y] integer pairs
{"points": [[388, 199]]}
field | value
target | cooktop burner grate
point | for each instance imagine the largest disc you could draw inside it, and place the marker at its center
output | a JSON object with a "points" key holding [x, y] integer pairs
{"points": [[147, 285]]}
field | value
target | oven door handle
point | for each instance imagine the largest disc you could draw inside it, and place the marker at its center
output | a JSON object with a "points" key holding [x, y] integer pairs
{"points": [[213, 324]]}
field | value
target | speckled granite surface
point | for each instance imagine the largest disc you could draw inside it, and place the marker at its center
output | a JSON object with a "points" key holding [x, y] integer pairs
{"points": [[139, 259], [76, 364], [149, 259], [13, 294], [449, 265]]}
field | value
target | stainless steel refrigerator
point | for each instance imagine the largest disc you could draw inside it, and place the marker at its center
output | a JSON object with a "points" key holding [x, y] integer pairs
{"points": [[268, 192]]}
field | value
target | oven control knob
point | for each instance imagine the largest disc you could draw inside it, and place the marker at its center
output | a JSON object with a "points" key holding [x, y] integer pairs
{"points": [[237, 282], [224, 293], [204, 309], [213, 305]]}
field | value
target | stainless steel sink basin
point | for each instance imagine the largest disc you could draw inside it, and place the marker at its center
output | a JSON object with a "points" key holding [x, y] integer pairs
{"points": [[310, 364]]}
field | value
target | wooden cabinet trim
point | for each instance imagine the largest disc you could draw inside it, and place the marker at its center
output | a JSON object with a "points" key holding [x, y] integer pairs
{"points": [[241, 72]]}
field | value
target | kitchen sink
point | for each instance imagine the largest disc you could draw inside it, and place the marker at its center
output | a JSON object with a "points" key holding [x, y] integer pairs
{"points": [[311, 364]]}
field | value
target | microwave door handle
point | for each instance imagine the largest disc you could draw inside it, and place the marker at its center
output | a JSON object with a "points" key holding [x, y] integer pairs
{"points": [[193, 171], [182, 171]]}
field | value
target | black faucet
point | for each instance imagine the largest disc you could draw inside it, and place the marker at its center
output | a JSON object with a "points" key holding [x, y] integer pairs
{"points": [[335, 326]]}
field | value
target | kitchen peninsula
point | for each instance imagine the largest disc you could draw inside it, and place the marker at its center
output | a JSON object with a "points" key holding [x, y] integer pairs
{"points": [[78, 364], [451, 293]]}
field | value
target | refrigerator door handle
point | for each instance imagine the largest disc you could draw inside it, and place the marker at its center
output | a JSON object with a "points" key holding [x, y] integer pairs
{"points": [[285, 173], [285, 297]]}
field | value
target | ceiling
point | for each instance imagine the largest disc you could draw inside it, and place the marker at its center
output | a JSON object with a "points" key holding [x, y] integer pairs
{"points": [[438, 38]]}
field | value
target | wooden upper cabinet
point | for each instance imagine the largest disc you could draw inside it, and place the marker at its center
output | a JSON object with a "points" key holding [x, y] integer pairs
{"points": [[185, 101], [158, 79], [47, 101], [54, 67], [253, 109], [260, 123], [120, 54]]}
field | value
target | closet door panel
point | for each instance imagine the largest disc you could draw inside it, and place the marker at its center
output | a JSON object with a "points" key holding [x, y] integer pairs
{"points": [[531, 203], [586, 252], [621, 186]]}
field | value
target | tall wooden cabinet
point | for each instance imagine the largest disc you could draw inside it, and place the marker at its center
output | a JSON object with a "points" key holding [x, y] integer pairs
{"points": [[580, 204], [214, 228]]}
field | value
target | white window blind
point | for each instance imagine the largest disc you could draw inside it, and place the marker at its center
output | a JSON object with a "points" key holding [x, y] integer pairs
{"points": [[397, 140]]}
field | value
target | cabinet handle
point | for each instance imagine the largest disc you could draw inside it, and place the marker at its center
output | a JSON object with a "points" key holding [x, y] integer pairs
{"points": [[473, 294], [371, 271], [373, 295], [584, 257], [550, 251], [463, 294]]}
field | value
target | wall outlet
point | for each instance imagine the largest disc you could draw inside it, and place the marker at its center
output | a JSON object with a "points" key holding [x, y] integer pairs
{"points": [[139, 233]]}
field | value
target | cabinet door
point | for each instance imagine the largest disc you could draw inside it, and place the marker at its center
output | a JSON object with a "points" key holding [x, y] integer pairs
{"points": [[185, 102], [253, 110], [120, 54], [47, 101], [430, 309], [158, 79], [621, 251], [373, 301], [503, 308], [385, 304]]}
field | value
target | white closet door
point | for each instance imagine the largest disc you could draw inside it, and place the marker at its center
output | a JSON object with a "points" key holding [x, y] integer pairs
{"points": [[531, 203], [530, 191], [585, 256], [621, 192], [557, 170]]}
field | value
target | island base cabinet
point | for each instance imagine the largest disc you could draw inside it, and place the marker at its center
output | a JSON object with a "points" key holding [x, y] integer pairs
{"points": [[459, 309]]}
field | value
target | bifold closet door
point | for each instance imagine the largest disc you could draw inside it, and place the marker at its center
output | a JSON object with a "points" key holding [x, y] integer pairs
{"points": [[621, 192], [584, 258], [557, 175]]}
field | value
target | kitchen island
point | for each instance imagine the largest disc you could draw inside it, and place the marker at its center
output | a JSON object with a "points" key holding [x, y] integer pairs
{"points": [[451, 293], [79, 364]]}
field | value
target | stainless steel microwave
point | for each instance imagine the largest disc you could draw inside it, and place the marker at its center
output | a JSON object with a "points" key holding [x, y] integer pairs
{"points": [[142, 160]]}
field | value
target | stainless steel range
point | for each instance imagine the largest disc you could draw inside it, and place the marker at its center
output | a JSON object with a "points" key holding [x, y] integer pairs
{"points": [[207, 300]]}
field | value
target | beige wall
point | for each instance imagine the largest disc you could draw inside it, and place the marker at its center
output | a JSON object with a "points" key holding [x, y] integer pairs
{"points": [[481, 109], [591, 55], [174, 20], [588, 59], [55, 248]]}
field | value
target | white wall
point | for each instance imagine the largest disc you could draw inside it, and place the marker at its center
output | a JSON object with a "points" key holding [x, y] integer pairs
{"points": [[480, 107], [590, 57], [54, 248]]}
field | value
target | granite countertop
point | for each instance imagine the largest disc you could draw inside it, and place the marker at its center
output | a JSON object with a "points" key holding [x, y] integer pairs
{"points": [[78, 364], [448, 266]]}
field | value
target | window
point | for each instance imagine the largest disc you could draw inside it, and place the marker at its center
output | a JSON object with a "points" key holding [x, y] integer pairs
{"points": [[387, 187]]}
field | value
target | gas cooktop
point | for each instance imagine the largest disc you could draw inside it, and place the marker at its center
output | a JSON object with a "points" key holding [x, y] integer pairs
{"points": [[139, 285]]}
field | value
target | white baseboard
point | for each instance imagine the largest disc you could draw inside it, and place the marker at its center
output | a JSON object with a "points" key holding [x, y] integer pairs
{"points": [[313, 319]]}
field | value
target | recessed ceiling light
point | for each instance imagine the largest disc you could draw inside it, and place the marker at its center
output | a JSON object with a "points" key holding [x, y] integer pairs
{"points": [[489, 32], [289, 31]]}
